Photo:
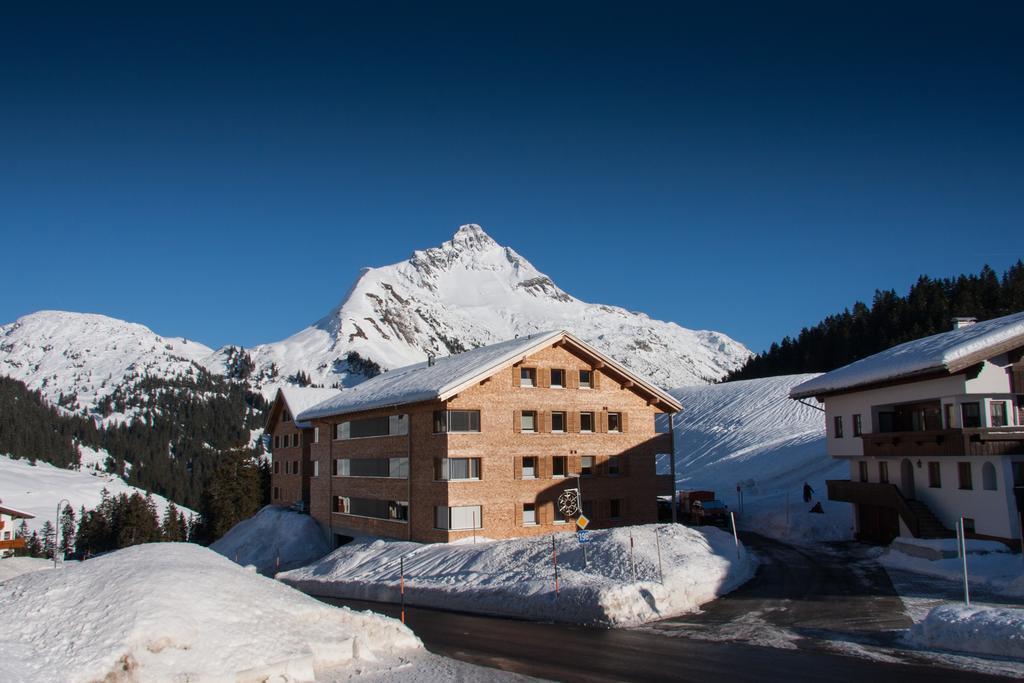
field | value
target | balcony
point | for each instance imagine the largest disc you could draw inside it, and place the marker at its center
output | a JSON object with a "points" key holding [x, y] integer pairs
{"points": [[12, 544], [945, 442]]}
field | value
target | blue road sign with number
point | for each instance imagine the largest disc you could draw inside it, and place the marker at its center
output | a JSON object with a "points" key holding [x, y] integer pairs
{"points": [[583, 536]]}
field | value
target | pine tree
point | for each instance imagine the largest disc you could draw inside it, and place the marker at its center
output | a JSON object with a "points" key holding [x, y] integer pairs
{"points": [[170, 528], [34, 545], [68, 529], [22, 532], [49, 540]]}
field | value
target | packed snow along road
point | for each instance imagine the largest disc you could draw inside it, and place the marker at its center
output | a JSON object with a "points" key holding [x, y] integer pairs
{"points": [[176, 611], [610, 586]]}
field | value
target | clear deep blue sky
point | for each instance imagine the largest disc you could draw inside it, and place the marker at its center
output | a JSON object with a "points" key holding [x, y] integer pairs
{"points": [[745, 167]]}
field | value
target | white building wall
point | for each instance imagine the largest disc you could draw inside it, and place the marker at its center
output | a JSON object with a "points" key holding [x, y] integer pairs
{"points": [[993, 378]]}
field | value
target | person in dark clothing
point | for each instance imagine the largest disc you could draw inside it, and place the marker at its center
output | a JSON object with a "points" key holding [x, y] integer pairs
{"points": [[808, 492]]}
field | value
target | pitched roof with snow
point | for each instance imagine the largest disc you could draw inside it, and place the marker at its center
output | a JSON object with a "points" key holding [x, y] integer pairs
{"points": [[299, 399], [450, 374], [17, 514], [948, 351]]}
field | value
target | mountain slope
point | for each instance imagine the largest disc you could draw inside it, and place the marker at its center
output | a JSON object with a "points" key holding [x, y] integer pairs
{"points": [[471, 292], [77, 359]]}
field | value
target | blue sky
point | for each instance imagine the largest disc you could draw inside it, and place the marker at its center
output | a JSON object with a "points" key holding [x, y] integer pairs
{"points": [[223, 174]]}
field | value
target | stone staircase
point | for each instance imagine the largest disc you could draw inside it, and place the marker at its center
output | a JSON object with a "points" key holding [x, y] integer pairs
{"points": [[928, 525]]}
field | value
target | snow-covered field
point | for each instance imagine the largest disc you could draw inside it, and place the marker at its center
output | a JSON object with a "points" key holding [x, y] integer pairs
{"points": [[176, 612], [38, 488], [517, 577], [751, 434], [274, 539], [16, 566]]}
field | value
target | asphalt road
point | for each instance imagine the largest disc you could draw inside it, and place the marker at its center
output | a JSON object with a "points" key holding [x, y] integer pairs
{"points": [[784, 625]]}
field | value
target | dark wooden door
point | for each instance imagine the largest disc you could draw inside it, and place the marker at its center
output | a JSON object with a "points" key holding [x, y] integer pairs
{"points": [[877, 524]]}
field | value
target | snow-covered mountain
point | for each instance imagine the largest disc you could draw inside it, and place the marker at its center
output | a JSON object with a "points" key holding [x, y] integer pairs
{"points": [[470, 292], [76, 359]]}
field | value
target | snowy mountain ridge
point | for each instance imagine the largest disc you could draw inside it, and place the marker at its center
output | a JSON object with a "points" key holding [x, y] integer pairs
{"points": [[470, 292]]}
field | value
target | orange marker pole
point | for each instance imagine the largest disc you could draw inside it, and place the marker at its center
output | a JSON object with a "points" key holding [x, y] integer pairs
{"points": [[401, 584]]}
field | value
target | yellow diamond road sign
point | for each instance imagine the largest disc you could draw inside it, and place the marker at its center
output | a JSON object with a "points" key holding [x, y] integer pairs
{"points": [[582, 521]]}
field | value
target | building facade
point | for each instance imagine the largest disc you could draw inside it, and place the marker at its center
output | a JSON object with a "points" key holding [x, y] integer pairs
{"points": [[484, 442], [289, 444], [933, 431], [9, 539]]}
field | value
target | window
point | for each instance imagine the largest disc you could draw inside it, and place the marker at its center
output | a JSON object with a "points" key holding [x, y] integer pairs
{"points": [[883, 472], [316, 435], [934, 475], [277, 493], [969, 527], [527, 377], [586, 422], [615, 508], [837, 431], [456, 421], [857, 427], [458, 469], [613, 466], [588, 508], [949, 412], [277, 441], [529, 468], [295, 439], [988, 477], [557, 379], [997, 413], [396, 468], [392, 510], [529, 514], [559, 466], [586, 379], [277, 467], [971, 414], [285, 416], [295, 466], [614, 422], [558, 422], [388, 425], [586, 465], [286, 465], [316, 468], [461, 517], [964, 473], [863, 467], [529, 421]]}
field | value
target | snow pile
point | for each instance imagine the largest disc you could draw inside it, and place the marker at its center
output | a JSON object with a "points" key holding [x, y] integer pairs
{"points": [[930, 353], [1001, 572], [272, 540], [982, 630], [516, 577], [176, 611], [750, 433], [16, 566], [38, 488]]}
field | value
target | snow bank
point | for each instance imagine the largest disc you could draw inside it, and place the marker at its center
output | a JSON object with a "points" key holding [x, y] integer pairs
{"points": [[176, 611], [750, 433], [1000, 572], [272, 540], [38, 488], [16, 566], [516, 577], [981, 630]]}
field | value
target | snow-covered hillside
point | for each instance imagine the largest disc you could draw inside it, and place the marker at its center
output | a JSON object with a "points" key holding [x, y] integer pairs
{"points": [[76, 359], [752, 434], [470, 292], [38, 488]]}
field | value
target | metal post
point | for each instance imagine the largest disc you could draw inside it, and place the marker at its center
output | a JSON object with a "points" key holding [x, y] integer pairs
{"points": [[401, 564], [474, 527], [657, 544], [56, 530], [554, 562], [672, 462], [963, 558], [735, 536], [632, 561]]}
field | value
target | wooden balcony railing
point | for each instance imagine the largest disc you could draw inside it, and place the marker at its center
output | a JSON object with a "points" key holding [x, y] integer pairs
{"points": [[945, 442], [12, 544]]}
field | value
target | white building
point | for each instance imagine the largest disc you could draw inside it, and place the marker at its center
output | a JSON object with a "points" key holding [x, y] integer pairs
{"points": [[933, 430], [9, 540]]}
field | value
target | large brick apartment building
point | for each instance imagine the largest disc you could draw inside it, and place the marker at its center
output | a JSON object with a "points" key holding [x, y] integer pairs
{"points": [[480, 442]]}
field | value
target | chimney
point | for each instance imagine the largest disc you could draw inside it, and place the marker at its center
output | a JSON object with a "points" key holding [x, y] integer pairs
{"points": [[959, 323], [430, 360]]}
